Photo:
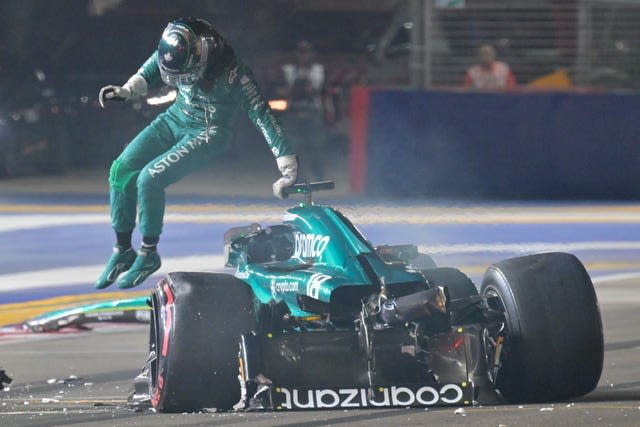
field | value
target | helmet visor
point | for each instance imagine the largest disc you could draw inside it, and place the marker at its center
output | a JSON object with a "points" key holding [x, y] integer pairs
{"points": [[182, 56]]}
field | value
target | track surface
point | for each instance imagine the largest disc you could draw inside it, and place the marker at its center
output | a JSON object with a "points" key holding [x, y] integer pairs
{"points": [[67, 243]]}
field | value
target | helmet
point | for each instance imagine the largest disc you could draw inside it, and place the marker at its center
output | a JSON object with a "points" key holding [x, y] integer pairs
{"points": [[182, 54]]}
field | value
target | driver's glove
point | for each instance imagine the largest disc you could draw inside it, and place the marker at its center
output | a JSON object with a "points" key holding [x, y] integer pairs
{"points": [[288, 166], [134, 87]]}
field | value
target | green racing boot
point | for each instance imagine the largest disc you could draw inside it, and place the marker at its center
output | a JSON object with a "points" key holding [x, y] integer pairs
{"points": [[119, 262], [145, 265]]}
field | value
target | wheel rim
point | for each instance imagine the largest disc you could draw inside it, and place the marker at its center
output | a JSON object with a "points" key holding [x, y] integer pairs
{"points": [[491, 292], [491, 336]]}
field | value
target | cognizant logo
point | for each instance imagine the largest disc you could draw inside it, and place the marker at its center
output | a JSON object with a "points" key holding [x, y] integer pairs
{"points": [[448, 394]]}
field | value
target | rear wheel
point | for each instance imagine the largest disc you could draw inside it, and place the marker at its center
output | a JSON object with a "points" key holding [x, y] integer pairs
{"points": [[553, 332], [195, 329]]}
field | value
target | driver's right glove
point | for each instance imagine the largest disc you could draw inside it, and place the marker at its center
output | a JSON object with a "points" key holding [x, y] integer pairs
{"points": [[134, 87], [288, 166]]}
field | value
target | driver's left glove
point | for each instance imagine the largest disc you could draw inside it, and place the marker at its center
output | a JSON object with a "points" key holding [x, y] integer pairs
{"points": [[288, 166]]}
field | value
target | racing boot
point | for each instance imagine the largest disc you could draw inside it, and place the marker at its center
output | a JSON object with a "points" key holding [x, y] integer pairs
{"points": [[146, 263], [120, 261]]}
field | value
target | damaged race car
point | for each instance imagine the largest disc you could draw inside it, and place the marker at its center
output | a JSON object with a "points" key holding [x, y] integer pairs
{"points": [[315, 317]]}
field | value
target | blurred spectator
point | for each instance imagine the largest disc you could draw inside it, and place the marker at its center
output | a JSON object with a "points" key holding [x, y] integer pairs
{"points": [[489, 74], [309, 110]]}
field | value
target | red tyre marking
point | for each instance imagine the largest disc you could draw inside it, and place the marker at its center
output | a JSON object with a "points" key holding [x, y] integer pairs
{"points": [[167, 291], [156, 397], [168, 320]]}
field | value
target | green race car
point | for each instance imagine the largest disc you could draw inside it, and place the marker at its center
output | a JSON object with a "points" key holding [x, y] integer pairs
{"points": [[316, 317]]}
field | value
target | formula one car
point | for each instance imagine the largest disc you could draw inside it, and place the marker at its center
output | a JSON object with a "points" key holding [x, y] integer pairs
{"points": [[316, 317]]}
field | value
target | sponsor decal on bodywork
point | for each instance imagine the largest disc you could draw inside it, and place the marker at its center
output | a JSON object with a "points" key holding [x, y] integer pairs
{"points": [[315, 284], [392, 396], [310, 245], [280, 286]]}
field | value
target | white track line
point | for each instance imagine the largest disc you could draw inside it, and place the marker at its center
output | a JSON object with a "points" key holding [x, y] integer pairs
{"points": [[360, 216], [69, 276], [30, 222], [528, 247], [616, 277]]}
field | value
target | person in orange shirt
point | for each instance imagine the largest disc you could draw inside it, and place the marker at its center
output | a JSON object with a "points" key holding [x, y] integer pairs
{"points": [[489, 74]]}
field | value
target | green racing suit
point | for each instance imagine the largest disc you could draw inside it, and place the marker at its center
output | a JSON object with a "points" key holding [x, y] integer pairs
{"points": [[195, 129]]}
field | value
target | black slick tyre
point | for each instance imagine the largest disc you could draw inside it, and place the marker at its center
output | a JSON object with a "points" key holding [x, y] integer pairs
{"points": [[197, 319], [554, 344]]}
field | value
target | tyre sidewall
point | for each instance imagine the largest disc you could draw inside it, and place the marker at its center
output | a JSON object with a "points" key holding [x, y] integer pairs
{"points": [[554, 328]]}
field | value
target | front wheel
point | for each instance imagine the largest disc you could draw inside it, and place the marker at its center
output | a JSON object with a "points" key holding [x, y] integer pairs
{"points": [[197, 320], [553, 342]]}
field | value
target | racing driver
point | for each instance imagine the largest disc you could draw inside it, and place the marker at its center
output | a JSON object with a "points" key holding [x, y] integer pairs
{"points": [[213, 85]]}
